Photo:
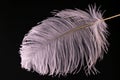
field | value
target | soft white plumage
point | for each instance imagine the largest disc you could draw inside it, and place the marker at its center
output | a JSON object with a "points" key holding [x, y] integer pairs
{"points": [[59, 45]]}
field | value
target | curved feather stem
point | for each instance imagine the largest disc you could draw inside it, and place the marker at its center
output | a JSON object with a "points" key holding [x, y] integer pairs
{"points": [[111, 17], [77, 28], [81, 27]]}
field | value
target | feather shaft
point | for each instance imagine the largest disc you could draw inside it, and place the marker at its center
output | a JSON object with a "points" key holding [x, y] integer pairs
{"points": [[87, 25], [111, 17]]}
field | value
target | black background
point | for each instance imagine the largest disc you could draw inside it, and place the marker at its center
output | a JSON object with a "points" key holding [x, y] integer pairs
{"points": [[17, 18]]}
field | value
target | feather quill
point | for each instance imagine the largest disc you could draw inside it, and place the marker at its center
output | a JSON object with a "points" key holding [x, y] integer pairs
{"points": [[66, 43]]}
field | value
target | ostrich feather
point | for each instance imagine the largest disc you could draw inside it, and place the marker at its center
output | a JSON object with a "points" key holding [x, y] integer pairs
{"points": [[66, 43]]}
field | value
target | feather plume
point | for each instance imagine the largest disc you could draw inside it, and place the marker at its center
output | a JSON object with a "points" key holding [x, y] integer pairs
{"points": [[66, 43]]}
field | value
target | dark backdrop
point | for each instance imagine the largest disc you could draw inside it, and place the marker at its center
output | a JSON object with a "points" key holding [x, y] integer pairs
{"points": [[17, 18]]}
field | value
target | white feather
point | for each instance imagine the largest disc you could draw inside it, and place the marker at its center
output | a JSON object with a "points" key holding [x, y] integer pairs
{"points": [[59, 45]]}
